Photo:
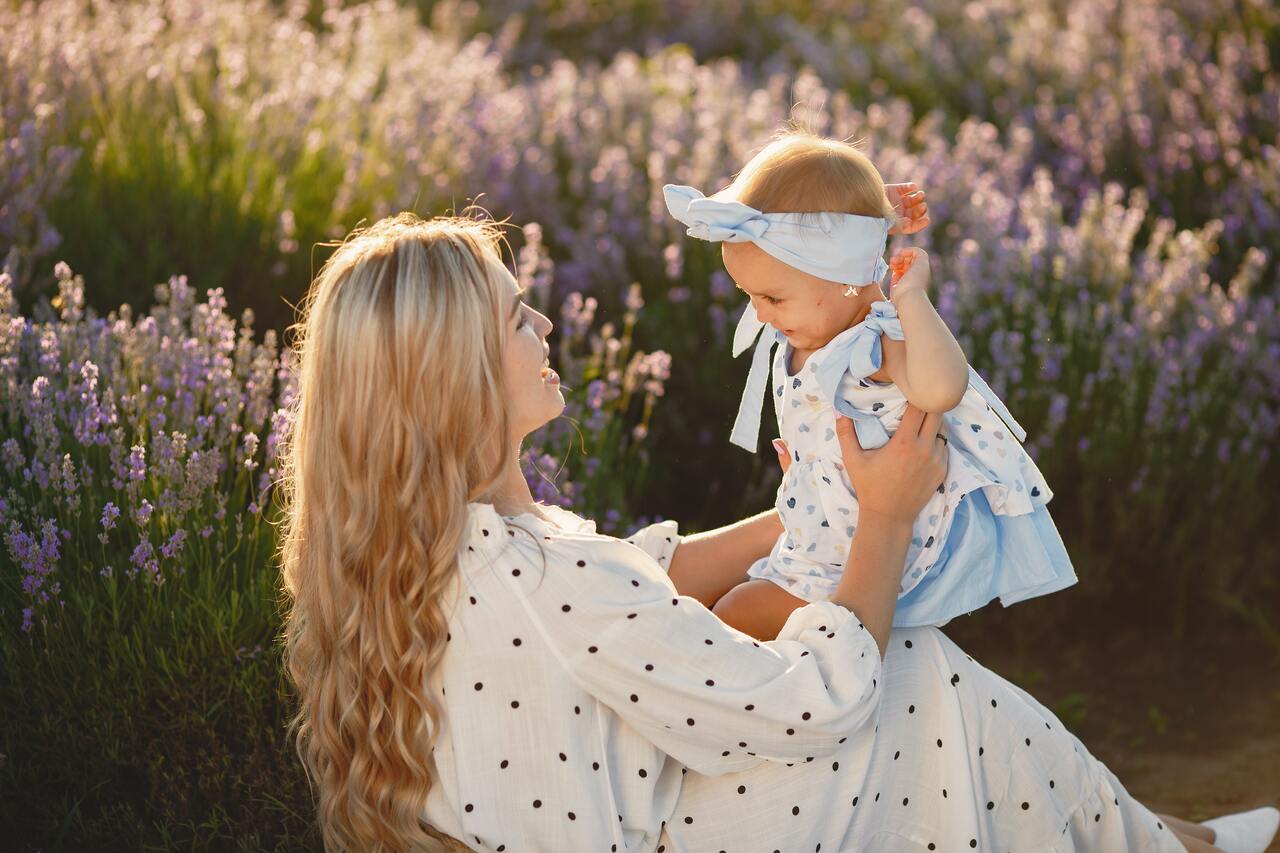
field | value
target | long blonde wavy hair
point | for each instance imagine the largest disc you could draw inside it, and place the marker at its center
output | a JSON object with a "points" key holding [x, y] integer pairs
{"points": [[397, 423]]}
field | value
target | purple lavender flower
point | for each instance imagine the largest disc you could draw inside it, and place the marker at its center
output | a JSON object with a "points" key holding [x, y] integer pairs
{"points": [[12, 455], [137, 464], [173, 546], [143, 559], [36, 558]]}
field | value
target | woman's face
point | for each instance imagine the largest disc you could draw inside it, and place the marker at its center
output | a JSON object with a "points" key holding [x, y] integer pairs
{"points": [[809, 310], [532, 388]]}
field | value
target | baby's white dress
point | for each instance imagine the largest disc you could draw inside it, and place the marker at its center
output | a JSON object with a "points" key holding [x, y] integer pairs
{"points": [[985, 534]]}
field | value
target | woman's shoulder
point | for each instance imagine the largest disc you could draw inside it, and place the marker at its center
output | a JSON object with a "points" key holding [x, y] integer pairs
{"points": [[560, 534], [485, 515], [551, 528]]}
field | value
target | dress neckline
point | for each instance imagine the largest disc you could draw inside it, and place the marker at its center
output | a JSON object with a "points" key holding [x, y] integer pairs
{"points": [[560, 519], [787, 349]]}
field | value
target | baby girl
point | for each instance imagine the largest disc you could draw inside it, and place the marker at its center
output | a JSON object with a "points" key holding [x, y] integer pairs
{"points": [[803, 227]]}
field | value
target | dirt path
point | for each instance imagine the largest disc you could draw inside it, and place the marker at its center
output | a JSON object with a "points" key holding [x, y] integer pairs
{"points": [[1194, 735]]}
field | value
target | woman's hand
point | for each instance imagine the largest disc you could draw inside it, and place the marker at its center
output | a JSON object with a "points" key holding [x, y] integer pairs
{"points": [[908, 202], [893, 484], [896, 481]]}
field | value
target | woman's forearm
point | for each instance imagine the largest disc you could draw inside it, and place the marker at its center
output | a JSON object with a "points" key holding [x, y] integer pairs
{"points": [[707, 565], [869, 585], [937, 372]]}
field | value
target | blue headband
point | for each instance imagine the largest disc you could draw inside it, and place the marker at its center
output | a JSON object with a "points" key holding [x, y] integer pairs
{"points": [[839, 247]]}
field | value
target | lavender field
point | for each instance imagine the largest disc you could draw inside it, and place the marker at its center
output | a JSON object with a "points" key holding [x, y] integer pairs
{"points": [[1103, 181]]}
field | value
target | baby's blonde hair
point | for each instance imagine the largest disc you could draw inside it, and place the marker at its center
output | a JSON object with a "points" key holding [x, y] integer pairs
{"points": [[801, 172]]}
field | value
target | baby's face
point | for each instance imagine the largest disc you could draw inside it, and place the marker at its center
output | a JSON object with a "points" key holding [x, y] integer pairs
{"points": [[809, 310]]}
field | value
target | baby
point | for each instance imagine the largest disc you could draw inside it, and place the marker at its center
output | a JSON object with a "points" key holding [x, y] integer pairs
{"points": [[803, 227]]}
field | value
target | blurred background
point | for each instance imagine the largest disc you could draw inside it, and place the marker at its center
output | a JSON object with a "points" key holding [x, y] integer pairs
{"points": [[1103, 181]]}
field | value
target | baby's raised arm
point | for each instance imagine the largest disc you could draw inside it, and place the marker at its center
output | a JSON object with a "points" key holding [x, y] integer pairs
{"points": [[934, 373]]}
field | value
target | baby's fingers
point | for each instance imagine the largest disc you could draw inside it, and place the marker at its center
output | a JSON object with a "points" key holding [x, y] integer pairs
{"points": [[903, 259]]}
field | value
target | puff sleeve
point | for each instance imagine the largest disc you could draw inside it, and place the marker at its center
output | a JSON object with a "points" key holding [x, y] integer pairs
{"points": [[710, 696], [658, 540]]}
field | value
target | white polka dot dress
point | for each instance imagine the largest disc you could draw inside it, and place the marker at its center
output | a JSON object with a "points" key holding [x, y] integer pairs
{"points": [[590, 707], [958, 759], [985, 534]]}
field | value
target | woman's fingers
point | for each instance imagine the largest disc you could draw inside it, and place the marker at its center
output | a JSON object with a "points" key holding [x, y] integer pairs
{"points": [[912, 421], [931, 425], [784, 455], [850, 447]]}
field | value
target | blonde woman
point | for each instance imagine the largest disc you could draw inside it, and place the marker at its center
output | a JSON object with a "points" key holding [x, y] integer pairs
{"points": [[474, 666]]}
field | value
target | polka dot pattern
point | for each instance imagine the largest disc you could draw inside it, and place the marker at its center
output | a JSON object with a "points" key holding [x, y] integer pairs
{"points": [[629, 717], [1049, 795]]}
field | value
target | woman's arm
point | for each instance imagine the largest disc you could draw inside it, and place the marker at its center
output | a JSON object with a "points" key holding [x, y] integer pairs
{"points": [[707, 565], [936, 373], [709, 696], [893, 483], [704, 693]]}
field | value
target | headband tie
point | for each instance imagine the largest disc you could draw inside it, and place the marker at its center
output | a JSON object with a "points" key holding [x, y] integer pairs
{"points": [[840, 247]]}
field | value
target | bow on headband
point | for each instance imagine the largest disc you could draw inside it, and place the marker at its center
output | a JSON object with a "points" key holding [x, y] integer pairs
{"points": [[839, 247]]}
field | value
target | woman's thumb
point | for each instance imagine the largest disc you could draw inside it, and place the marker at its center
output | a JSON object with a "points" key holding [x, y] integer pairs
{"points": [[784, 455]]}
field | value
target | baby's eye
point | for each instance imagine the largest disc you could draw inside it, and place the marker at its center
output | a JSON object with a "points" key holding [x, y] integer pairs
{"points": [[772, 300]]}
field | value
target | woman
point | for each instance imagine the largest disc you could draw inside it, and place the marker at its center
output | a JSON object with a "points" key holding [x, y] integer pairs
{"points": [[472, 664]]}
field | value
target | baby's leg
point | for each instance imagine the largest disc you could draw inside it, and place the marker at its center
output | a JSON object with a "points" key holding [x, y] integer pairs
{"points": [[757, 607]]}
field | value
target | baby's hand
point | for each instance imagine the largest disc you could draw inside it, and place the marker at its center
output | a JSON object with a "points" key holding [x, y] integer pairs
{"points": [[910, 271], [908, 202]]}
